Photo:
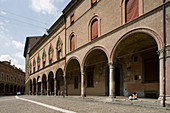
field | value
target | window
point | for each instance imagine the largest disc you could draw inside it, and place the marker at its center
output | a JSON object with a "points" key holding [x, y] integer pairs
{"points": [[15, 80], [72, 43], [59, 48], [93, 2], [34, 65], [131, 9], [2, 77], [59, 54], [51, 57], [50, 54], [38, 65], [38, 62], [7, 78], [94, 29], [90, 77], [75, 82], [43, 58], [72, 19]]}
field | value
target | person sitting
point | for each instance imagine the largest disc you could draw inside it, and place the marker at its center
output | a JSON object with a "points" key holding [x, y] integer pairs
{"points": [[134, 96]]}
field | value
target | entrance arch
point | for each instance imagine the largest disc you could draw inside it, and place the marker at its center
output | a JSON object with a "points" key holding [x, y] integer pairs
{"points": [[6, 89], [15, 89], [73, 76], [11, 89], [44, 82], [2, 88], [51, 83], [96, 70], [59, 81], [137, 53], [30, 87], [39, 85], [34, 86]]}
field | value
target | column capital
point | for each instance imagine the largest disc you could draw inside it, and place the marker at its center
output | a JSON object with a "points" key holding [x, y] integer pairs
{"points": [[82, 72], [112, 65]]}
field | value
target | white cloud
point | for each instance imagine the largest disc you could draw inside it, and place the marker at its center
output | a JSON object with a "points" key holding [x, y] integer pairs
{"points": [[2, 12], [17, 44], [7, 58], [14, 61], [18, 55], [44, 6]]}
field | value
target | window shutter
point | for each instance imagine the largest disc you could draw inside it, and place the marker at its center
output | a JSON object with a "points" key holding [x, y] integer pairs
{"points": [[72, 18], [51, 55], [132, 9], [93, 1], [94, 29], [72, 46], [44, 59], [38, 63]]}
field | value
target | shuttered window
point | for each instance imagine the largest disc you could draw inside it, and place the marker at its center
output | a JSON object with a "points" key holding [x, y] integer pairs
{"points": [[72, 19], [131, 9], [93, 2], [72, 43], [94, 29]]}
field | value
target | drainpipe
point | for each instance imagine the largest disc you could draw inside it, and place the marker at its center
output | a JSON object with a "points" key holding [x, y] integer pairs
{"points": [[65, 87], [164, 53]]}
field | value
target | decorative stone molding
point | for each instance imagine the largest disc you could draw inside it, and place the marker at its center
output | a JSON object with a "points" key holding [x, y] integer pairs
{"points": [[160, 53]]}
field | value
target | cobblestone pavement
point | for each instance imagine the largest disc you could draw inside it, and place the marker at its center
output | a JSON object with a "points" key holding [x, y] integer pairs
{"points": [[12, 105]]}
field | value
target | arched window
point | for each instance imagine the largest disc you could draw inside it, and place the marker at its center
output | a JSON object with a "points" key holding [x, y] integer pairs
{"points": [[59, 48], [34, 65], [131, 10], [50, 54], [93, 2], [43, 58], [38, 62], [72, 43], [94, 29]]}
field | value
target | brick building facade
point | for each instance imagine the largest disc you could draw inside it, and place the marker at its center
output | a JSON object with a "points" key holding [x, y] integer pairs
{"points": [[103, 48], [12, 79]]}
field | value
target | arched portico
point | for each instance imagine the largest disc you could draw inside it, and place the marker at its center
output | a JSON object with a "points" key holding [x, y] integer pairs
{"points": [[39, 85], [73, 76], [95, 64], [51, 83], [34, 86], [30, 90], [136, 52], [11, 89], [6, 88], [2, 88], [59, 81], [44, 85]]}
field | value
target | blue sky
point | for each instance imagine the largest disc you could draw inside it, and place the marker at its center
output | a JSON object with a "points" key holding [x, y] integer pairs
{"points": [[22, 18]]}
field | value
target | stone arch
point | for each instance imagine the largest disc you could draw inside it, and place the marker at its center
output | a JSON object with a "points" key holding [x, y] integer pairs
{"points": [[59, 81], [44, 82], [89, 26], [72, 58], [142, 30], [73, 75], [39, 84], [96, 70], [95, 48], [50, 83]]}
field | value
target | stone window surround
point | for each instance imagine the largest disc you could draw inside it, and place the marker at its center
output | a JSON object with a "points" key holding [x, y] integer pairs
{"points": [[141, 10]]}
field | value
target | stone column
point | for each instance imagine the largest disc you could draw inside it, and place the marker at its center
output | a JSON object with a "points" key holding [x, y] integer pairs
{"points": [[55, 88], [160, 75], [37, 89], [65, 86], [47, 88], [83, 92], [42, 88], [111, 80], [32, 89]]}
